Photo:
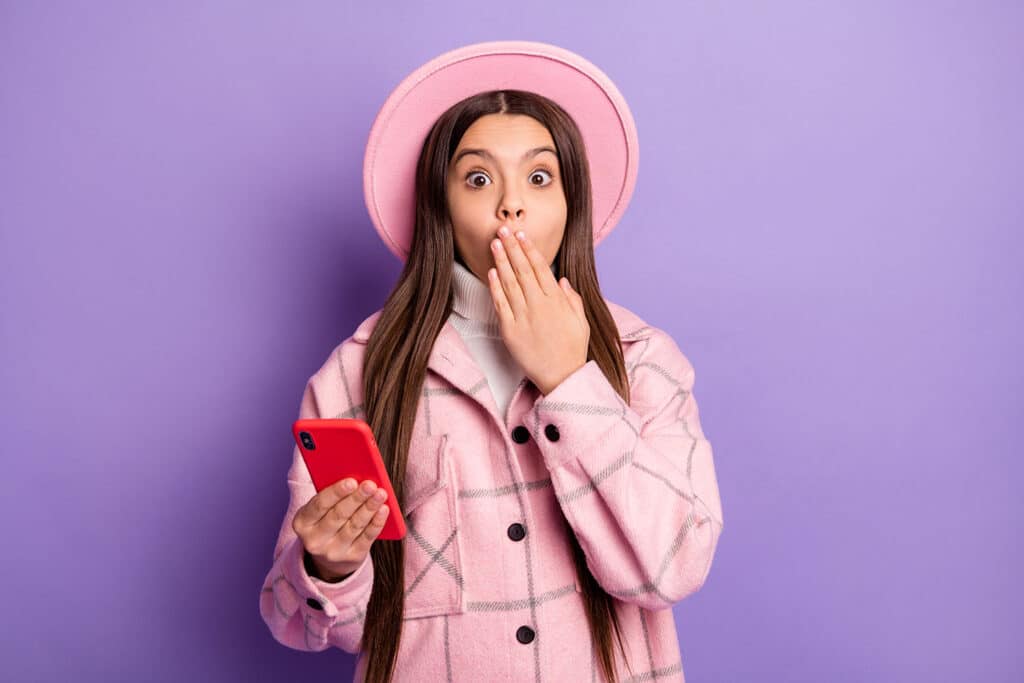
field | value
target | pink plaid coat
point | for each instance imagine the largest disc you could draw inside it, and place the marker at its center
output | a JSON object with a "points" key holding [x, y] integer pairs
{"points": [[490, 587]]}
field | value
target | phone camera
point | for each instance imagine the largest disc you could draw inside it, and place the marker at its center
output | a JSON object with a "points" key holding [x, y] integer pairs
{"points": [[307, 441]]}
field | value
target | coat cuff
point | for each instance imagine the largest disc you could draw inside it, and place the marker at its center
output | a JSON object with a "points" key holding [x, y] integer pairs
{"points": [[575, 417], [323, 598]]}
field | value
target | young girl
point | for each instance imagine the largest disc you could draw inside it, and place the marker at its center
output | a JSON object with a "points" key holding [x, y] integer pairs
{"points": [[543, 442]]}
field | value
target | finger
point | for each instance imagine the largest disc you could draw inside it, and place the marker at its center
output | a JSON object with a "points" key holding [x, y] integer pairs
{"points": [[522, 267], [362, 542], [541, 268], [342, 513], [358, 520], [321, 533], [321, 503], [509, 281], [501, 304], [574, 298]]}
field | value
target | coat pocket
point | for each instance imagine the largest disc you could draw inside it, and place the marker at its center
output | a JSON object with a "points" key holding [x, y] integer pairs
{"points": [[433, 548]]}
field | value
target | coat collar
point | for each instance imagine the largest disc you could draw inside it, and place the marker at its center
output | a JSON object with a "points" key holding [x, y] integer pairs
{"points": [[451, 358]]}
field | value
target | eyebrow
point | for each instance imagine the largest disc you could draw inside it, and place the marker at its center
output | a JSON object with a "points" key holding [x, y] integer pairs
{"points": [[487, 155]]}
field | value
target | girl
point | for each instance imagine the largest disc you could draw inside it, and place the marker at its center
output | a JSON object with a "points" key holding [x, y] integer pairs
{"points": [[543, 442]]}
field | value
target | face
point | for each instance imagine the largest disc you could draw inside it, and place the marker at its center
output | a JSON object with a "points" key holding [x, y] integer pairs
{"points": [[505, 181]]}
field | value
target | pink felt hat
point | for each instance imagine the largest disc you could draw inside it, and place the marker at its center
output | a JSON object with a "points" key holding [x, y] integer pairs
{"points": [[579, 87]]}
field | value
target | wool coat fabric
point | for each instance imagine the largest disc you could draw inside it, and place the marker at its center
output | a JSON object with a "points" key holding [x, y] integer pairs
{"points": [[491, 592]]}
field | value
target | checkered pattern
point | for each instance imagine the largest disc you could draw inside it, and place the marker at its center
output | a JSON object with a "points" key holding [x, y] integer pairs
{"points": [[635, 482]]}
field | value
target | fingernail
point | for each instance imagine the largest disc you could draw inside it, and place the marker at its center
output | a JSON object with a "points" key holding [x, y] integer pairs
{"points": [[368, 486], [521, 235], [497, 245], [503, 231], [380, 494], [349, 485]]}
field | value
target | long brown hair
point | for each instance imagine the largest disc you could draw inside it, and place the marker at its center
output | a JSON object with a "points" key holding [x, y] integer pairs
{"points": [[397, 351]]}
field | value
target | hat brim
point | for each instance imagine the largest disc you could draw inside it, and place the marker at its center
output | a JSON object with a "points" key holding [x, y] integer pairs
{"points": [[579, 87]]}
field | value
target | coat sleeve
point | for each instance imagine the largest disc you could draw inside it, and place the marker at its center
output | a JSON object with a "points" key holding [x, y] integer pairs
{"points": [[635, 481], [301, 611]]}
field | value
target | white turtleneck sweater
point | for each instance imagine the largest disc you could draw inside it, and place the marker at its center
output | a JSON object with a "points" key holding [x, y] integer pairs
{"points": [[476, 321]]}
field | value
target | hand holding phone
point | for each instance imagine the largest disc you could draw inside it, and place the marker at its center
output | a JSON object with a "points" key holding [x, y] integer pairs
{"points": [[338, 525]]}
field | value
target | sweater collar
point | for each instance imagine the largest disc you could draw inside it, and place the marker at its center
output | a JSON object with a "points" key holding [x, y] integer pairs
{"points": [[471, 298]]}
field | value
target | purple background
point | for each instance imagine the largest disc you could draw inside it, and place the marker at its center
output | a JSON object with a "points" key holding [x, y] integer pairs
{"points": [[828, 219]]}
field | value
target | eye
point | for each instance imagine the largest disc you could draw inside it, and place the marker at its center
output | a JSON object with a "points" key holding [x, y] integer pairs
{"points": [[540, 171], [476, 173]]}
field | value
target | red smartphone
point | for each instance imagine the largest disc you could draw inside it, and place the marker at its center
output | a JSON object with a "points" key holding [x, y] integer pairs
{"points": [[334, 449]]}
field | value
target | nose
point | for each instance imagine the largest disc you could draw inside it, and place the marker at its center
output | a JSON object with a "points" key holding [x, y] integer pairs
{"points": [[511, 213], [512, 207]]}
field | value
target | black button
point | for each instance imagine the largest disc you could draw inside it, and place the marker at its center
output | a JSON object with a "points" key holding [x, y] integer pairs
{"points": [[312, 602], [520, 434], [551, 431], [516, 531], [524, 634]]}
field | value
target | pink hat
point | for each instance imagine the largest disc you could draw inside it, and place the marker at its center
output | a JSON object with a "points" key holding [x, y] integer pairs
{"points": [[579, 87]]}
